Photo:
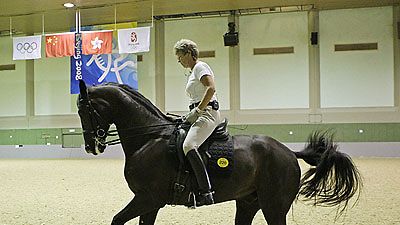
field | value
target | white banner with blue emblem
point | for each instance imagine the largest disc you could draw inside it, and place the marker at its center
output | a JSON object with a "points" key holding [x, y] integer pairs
{"points": [[134, 40], [28, 47]]}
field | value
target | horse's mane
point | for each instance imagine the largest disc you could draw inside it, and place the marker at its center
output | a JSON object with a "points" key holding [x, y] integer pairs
{"points": [[136, 96]]}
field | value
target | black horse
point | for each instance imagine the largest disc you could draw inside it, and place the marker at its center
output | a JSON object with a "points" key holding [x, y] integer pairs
{"points": [[266, 174]]}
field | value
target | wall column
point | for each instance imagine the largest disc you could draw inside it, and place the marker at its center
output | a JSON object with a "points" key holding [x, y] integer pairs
{"points": [[396, 54], [30, 91], [234, 73], [160, 64], [314, 69]]}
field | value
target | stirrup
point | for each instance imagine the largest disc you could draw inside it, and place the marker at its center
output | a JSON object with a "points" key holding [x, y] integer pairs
{"points": [[192, 197], [206, 198]]}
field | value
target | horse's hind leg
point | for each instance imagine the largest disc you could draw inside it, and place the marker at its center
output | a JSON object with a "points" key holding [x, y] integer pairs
{"points": [[275, 200], [275, 218], [275, 207], [277, 189], [246, 209]]}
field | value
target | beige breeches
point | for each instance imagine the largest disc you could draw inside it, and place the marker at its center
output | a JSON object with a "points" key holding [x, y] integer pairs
{"points": [[201, 129]]}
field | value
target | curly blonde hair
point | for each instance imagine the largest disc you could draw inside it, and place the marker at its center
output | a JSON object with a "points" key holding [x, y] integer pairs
{"points": [[186, 46]]}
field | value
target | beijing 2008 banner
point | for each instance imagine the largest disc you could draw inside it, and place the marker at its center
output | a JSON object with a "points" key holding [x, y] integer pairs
{"points": [[97, 69]]}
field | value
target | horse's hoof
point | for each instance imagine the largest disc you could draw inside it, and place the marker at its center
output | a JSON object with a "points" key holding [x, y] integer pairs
{"points": [[115, 222]]}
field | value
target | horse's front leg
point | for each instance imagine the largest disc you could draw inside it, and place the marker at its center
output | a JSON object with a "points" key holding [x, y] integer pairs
{"points": [[141, 205], [149, 218]]}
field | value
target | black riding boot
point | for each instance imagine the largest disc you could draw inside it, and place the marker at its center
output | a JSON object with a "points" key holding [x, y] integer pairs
{"points": [[202, 177]]}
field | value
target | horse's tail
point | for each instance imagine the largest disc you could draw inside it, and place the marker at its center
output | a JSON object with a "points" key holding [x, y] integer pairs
{"points": [[334, 179]]}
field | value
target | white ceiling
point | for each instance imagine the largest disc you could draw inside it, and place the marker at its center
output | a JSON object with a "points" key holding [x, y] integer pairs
{"points": [[31, 16]]}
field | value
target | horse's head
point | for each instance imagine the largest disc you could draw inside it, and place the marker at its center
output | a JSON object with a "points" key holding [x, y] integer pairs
{"points": [[92, 111]]}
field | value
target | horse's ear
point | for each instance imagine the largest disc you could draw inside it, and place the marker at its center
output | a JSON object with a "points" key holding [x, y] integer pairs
{"points": [[82, 89]]}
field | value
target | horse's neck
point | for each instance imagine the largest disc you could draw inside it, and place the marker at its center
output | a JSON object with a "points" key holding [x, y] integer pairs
{"points": [[132, 119], [136, 112], [132, 140], [137, 126]]}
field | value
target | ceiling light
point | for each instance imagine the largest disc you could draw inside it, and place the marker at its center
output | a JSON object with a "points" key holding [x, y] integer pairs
{"points": [[69, 5]]}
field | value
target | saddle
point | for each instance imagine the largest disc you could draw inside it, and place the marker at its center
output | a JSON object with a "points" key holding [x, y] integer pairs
{"points": [[216, 152]]}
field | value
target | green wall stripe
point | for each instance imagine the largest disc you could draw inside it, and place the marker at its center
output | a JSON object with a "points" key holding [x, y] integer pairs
{"points": [[346, 132], [372, 132], [35, 136]]}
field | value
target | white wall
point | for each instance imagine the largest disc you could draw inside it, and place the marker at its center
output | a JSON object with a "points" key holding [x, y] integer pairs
{"points": [[278, 80], [357, 78], [12, 82], [146, 71], [52, 87], [207, 33], [281, 82]]}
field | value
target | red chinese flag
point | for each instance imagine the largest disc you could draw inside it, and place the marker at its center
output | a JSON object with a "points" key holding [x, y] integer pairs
{"points": [[97, 42], [60, 45]]}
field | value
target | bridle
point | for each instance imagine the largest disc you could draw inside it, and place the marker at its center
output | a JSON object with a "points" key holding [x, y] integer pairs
{"points": [[94, 125]]}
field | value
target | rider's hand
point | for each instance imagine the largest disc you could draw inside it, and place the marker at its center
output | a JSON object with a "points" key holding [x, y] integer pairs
{"points": [[192, 116]]}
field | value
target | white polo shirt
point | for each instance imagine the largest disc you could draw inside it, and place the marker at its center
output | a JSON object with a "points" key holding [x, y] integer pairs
{"points": [[194, 88]]}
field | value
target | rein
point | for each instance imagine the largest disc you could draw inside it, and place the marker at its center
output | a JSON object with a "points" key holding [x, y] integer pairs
{"points": [[118, 141]]}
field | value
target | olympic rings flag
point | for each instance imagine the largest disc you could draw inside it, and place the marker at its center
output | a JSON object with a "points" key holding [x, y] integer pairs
{"points": [[28, 47]]}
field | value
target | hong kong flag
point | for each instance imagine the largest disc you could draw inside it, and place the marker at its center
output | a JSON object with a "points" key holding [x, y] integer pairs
{"points": [[60, 45], [99, 42]]}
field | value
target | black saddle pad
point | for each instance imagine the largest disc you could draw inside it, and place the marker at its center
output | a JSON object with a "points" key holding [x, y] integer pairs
{"points": [[220, 162]]}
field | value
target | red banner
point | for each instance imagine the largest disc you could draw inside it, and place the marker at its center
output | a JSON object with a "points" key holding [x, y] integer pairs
{"points": [[97, 42], [60, 45]]}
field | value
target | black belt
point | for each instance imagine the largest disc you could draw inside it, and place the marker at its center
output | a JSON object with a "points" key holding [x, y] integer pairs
{"points": [[214, 104]]}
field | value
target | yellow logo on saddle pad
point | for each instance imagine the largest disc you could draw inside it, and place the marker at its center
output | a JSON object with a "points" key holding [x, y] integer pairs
{"points": [[222, 162]]}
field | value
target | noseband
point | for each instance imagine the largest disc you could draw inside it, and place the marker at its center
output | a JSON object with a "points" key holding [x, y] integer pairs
{"points": [[95, 123]]}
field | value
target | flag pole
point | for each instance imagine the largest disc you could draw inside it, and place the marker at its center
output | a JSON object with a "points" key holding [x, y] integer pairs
{"points": [[42, 24], [10, 27], [76, 21], [152, 13], [115, 16], [79, 21]]}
